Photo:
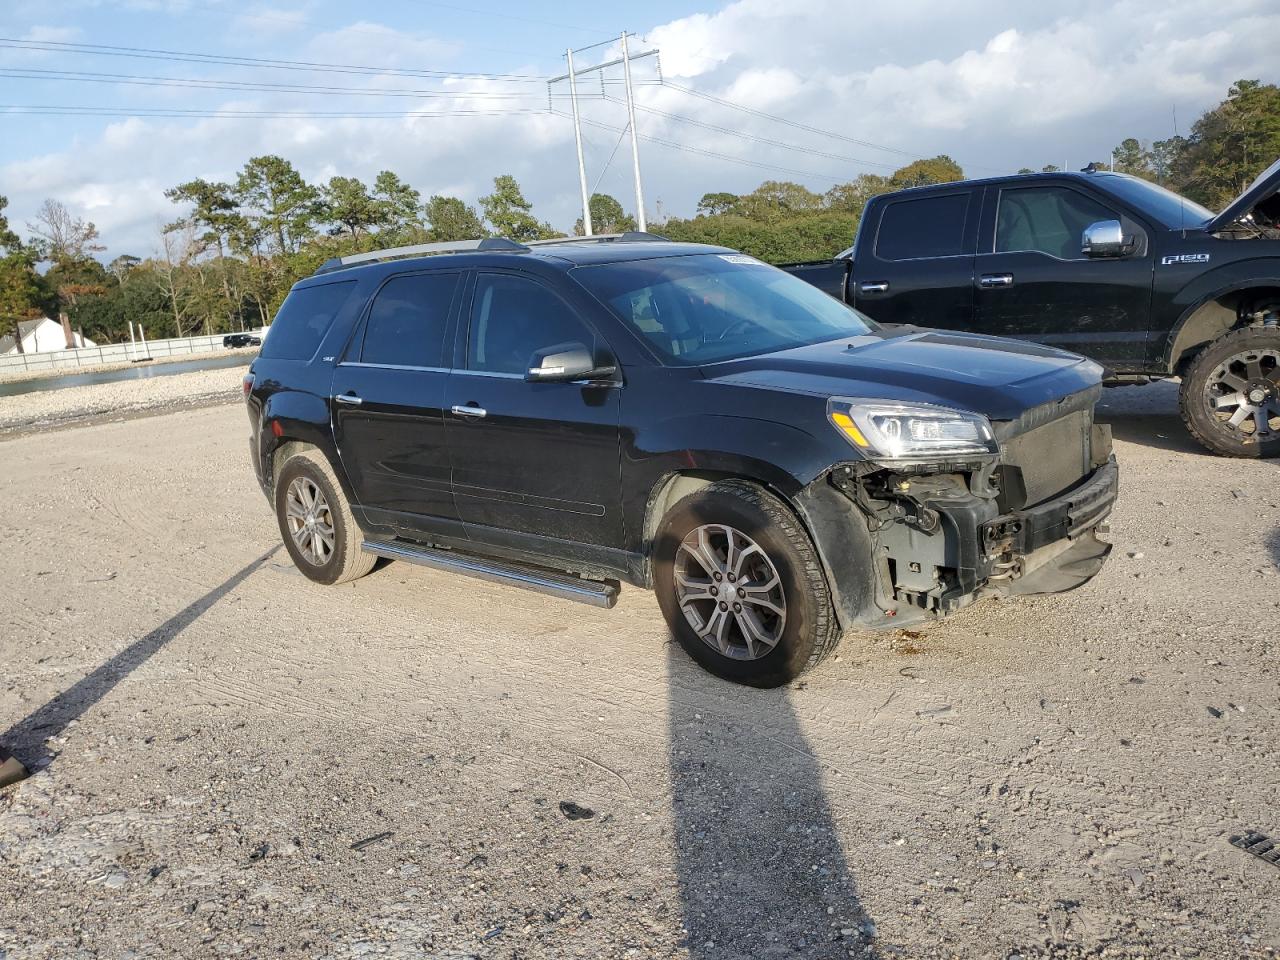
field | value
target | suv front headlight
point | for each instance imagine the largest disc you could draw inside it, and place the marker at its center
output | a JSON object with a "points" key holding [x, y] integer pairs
{"points": [[910, 431]]}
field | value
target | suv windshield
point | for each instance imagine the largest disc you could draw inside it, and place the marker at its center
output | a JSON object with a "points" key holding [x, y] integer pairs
{"points": [[1165, 205], [708, 307]]}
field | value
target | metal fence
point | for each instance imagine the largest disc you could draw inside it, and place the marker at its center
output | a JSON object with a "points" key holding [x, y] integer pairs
{"points": [[54, 360]]}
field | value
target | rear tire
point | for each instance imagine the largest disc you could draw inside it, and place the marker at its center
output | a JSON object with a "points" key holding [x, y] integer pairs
{"points": [[1235, 378], [741, 587], [316, 523]]}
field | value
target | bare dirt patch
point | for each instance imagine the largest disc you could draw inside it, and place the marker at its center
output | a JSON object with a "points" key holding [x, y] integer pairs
{"points": [[233, 761]]}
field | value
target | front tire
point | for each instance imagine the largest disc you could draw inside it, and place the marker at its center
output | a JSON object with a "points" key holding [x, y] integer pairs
{"points": [[1230, 396], [316, 523], [741, 587]]}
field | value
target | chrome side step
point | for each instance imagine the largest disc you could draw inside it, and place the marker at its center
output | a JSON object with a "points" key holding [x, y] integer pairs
{"points": [[597, 593]]}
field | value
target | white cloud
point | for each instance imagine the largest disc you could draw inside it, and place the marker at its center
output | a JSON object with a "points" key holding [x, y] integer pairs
{"points": [[997, 85]]}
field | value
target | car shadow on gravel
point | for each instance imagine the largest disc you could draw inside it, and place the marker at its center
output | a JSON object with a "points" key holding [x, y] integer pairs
{"points": [[759, 866], [27, 738]]}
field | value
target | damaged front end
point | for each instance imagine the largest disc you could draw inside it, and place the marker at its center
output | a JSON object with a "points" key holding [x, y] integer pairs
{"points": [[1013, 509]]}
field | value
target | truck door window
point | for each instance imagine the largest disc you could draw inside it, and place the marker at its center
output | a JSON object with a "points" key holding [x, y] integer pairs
{"points": [[1046, 219], [512, 317], [928, 227], [407, 321]]}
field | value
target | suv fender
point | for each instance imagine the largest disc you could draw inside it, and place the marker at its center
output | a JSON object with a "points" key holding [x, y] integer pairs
{"points": [[837, 529], [295, 416], [1204, 317]]}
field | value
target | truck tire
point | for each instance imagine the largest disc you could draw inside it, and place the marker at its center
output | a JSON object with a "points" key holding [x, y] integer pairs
{"points": [[316, 523], [741, 587], [1230, 396]]}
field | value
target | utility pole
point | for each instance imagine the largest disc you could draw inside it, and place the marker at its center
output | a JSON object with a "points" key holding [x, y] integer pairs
{"points": [[571, 76], [635, 143], [577, 137]]}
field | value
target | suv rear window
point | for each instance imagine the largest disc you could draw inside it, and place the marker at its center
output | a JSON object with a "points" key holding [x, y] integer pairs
{"points": [[303, 320], [928, 227]]}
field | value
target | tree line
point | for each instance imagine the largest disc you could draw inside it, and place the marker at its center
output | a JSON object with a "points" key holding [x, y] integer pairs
{"points": [[234, 249]]}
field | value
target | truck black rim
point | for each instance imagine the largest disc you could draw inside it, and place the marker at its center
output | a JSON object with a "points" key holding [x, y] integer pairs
{"points": [[1243, 394]]}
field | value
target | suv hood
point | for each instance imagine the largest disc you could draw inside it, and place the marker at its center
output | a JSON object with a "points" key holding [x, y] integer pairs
{"points": [[990, 375], [1261, 190]]}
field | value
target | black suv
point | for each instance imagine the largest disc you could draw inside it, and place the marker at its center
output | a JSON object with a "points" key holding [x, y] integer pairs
{"points": [[1145, 282], [567, 415]]}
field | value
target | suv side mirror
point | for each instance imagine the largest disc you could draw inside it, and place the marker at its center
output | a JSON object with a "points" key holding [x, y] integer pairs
{"points": [[567, 363], [1105, 239]]}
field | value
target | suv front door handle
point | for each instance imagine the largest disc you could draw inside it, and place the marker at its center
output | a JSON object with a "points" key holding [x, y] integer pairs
{"points": [[996, 280], [471, 410], [873, 286], [349, 398]]}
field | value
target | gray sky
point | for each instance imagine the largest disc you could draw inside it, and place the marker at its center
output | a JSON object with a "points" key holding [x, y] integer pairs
{"points": [[997, 85]]}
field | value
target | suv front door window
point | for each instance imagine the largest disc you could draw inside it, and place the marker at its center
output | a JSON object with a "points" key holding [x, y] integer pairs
{"points": [[534, 459]]}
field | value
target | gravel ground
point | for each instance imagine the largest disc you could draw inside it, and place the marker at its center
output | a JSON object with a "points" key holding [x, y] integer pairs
{"points": [[123, 399], [232, 761]]}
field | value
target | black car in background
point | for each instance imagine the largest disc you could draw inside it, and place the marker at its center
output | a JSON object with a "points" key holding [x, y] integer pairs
{"points": [[569, 415], [1145, 282], [241, 340]]}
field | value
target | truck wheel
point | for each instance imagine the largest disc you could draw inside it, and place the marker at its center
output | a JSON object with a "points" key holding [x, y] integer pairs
{"points": [[741, 587], [316, 522], [1230, 397]]}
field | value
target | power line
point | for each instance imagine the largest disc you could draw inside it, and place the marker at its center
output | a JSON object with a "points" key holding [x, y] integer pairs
{"points": [[675, 145], [796, 124], [489, 14], [791, 123], [181, 56], [55, 110], [752, 137], [84, 76]]}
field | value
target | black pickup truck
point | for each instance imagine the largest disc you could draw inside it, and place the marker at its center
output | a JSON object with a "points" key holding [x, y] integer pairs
{"points": [[1145, 282]]}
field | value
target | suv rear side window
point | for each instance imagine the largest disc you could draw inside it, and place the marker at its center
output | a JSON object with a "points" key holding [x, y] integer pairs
{"points": [[1046, 219], [407, 321], [303, 320], [928, 227], [511, 318]]}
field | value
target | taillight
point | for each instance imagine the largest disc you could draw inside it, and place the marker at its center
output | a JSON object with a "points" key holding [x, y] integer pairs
{"points": [[247, 383]]}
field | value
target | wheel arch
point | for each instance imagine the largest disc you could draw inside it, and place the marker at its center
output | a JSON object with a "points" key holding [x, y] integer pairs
{"points": [[840, 538], [675, 485], [1215, 314], [294, 421]]}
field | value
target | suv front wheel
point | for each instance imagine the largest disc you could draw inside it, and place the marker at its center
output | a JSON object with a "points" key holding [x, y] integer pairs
{"points": [[316, 523], [740, 585]]}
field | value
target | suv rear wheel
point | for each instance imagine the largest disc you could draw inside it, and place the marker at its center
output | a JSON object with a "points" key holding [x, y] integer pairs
{"points": [[316, 522], [740, 585], [1230, 396]]}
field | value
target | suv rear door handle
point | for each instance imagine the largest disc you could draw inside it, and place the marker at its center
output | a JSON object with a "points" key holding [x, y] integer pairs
{"points": [[996, 280], [471, 410], [349, 398], [873, 286]]}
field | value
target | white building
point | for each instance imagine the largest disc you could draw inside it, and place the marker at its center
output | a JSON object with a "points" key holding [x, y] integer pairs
{"points": [[40, 336]]}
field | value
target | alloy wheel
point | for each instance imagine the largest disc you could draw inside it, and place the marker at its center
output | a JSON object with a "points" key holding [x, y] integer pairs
{"points": [[1243, 393], [729, 592], [310, 520]]}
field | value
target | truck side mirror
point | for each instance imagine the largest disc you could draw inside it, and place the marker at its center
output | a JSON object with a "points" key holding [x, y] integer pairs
{"points": [[1105, 239]]}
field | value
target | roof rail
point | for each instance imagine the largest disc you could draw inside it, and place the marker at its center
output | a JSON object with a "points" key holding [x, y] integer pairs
{"points": [[631, 236], [423, 250]]}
